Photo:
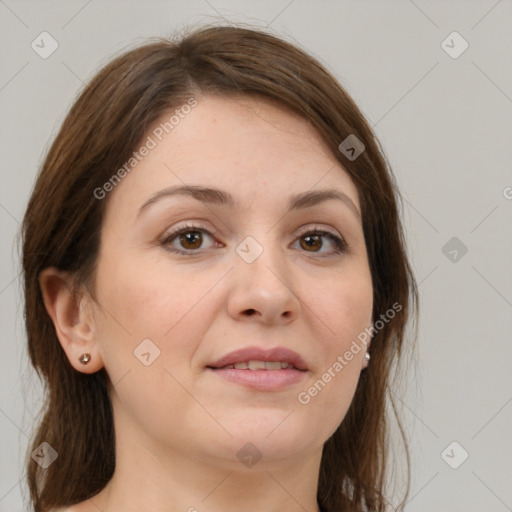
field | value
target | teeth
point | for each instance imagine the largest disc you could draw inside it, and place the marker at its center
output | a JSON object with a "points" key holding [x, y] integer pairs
{"points": [[260, 365], [256, 365]]}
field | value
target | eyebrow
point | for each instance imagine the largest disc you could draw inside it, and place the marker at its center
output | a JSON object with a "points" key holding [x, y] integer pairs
{"points": [[222, 198]]}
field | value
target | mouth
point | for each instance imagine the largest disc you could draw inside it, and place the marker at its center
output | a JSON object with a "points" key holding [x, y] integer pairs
{"points": [[258, 365], [263, 370]]}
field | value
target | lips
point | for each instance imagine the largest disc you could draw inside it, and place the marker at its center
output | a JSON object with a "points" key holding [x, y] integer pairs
{"points": [[256, 359], [261, 370]]}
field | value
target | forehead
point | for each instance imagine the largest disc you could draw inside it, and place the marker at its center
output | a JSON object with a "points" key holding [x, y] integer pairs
{"points": [[253, 148]]}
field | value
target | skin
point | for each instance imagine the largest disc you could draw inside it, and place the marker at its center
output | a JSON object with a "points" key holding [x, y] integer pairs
{"points": [[178, 426]]}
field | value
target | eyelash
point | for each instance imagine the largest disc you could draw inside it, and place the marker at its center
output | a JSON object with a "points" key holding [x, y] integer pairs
{"points": [[340, 244]]}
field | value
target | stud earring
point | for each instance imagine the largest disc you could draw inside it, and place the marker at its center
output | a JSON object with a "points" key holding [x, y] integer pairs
{"points": [[367, 357], [85, 358]]}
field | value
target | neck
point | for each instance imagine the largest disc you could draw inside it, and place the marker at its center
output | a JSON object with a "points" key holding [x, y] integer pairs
{"points": [[149, 476]]}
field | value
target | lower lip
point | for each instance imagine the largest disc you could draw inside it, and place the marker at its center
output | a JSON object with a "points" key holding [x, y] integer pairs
{"points": [[262, 380]]}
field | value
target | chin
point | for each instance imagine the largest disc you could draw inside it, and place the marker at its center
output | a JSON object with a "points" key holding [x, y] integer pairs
{"points": [[274, 436]]}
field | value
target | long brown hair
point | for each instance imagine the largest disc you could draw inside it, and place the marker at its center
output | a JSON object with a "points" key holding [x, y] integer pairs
{"points": [[63, 221]]}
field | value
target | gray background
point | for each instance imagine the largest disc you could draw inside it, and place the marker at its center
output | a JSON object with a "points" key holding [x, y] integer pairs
{"points": [[445, 126]]}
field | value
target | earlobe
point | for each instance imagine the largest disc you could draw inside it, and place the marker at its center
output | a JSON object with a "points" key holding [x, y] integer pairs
{"points": [[366, 356], [71, 318], [366, 360]]}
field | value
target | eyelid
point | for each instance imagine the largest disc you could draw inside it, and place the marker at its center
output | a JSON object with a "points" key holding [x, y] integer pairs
{"points": [[315, 227], [190, 225]]}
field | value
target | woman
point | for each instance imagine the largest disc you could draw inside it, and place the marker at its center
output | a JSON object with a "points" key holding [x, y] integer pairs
{"points": [[211, 249]]}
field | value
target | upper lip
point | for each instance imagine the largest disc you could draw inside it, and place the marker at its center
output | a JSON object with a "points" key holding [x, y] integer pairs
{"points": [[281, 354]]}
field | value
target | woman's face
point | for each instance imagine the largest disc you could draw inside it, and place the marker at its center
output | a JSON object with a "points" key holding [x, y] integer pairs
{"points": [[263, 273]]}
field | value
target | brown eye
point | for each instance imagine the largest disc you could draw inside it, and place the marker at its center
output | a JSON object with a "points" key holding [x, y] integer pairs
{"points": [[311, 243], [188, 239], [315, 240], [191, 239]]}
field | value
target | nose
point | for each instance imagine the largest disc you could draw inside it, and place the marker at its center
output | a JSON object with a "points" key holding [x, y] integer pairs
{"points": [[262, 291]]}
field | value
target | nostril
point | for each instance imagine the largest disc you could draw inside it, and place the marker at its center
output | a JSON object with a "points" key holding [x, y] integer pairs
{"points": [[250, 312]]}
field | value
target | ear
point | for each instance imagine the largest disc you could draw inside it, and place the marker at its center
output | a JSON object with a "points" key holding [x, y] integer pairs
{"points": [[72, 318]]}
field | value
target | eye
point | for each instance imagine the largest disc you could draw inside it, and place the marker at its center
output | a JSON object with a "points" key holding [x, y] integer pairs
{"points": [[189, 238], [313, 241]]}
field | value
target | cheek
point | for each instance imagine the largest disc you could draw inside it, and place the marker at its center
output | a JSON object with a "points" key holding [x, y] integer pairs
{"points": [[344, 307], [141, 294], [151, 300]]}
